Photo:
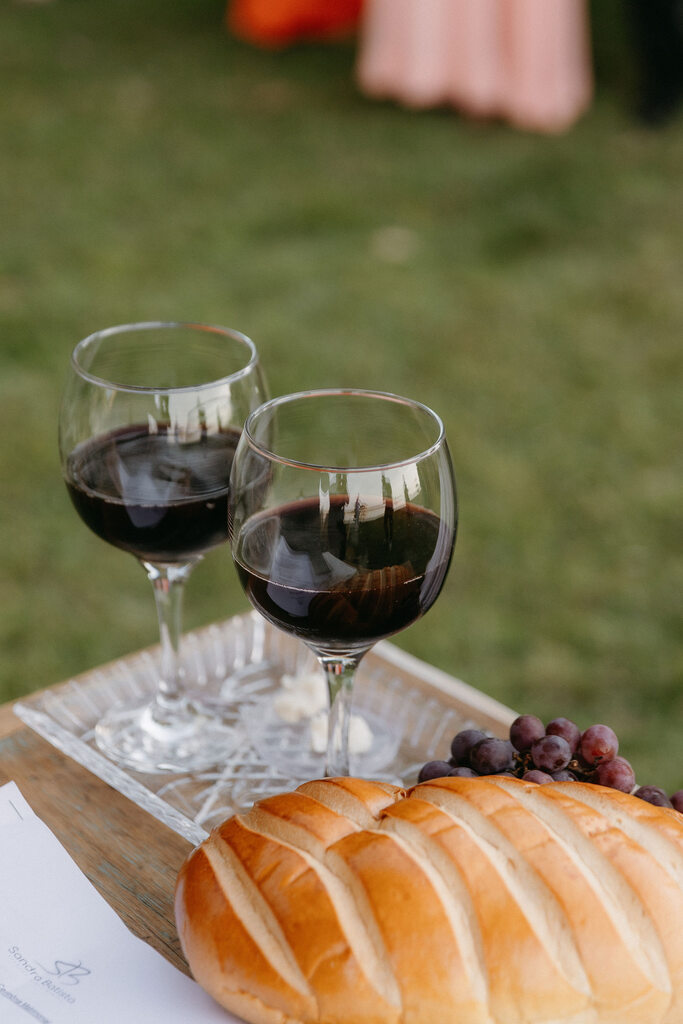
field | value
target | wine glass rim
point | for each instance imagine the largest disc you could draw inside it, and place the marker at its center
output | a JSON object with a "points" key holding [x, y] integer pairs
{"points": [[390, 396], [145, 325]]}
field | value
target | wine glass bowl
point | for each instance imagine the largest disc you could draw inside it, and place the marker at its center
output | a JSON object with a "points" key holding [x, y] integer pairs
{"points": [[150, 418], [342, 517]]}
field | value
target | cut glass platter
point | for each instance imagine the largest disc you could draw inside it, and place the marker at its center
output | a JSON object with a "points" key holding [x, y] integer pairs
{"points": [[412, 710]]}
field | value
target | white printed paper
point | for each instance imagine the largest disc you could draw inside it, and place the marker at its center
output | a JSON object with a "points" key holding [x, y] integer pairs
{"points": [[65, 955]]}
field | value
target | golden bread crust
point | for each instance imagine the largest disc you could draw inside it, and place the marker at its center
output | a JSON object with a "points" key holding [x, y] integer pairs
{"points": [[460, 901]]}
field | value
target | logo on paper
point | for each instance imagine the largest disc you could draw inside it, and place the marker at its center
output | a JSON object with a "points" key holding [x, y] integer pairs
{"points": [[67, 972]]}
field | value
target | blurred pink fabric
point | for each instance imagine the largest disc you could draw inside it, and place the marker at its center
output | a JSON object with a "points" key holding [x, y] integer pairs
{"points": [[526, 61]]}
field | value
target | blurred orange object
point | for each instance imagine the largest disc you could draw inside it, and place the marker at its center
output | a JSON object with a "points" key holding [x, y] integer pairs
{"points": [[276, 23]]}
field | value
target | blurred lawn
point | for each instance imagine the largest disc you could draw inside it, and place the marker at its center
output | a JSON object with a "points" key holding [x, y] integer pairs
{"points": [[529, 288]]}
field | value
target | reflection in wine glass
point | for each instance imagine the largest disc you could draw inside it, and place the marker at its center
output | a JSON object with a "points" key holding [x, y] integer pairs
{"points": [[343, 517], [150, 418]]}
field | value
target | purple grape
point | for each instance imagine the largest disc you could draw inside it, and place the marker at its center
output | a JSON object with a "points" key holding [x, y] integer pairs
{"points": [[434, 770], [535, 776], [677, 800], [653, 795], [491, 756], [569, 731], [551, 754], [564, 776], [617, 774], [462, 744], [598, 744], [524, 731], [462, 772]]}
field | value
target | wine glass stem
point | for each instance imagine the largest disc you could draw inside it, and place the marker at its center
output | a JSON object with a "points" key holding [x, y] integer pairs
{"points": [[340, 673], [169, 588]]}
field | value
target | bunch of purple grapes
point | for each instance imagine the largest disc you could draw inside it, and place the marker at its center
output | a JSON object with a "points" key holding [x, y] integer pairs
{"points": [[556, 752]]}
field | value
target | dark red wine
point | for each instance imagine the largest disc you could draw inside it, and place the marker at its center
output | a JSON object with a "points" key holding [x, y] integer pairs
{"points": [[161, 499], [344, 577]]}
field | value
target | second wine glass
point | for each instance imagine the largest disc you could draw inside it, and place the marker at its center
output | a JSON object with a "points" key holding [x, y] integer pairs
{"points": [[150, 418], [342, 519]]}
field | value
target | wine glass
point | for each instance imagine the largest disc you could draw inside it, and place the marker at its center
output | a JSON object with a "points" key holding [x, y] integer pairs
{"points": [[150, 418], [342, 521]]}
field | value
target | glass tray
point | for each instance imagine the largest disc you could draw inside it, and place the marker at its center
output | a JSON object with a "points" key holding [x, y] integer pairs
{"points": [[240, 663]]}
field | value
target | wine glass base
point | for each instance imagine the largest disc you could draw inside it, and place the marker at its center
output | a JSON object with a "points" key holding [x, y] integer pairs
{"points": [[189, 742]]}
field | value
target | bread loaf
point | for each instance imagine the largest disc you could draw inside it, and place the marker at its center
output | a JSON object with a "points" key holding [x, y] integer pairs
{"points": [[460, 901]]}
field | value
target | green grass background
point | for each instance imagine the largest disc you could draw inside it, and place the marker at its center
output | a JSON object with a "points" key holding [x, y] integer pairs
{"points": [[528, 287]]}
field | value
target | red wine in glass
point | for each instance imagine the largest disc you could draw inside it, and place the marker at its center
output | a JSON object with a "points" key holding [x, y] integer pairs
{"points": [[148, 493], [338, 578], [342, 518], [150, 418]]}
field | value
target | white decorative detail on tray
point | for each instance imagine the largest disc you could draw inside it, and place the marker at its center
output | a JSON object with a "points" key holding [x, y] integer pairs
{"points": [[360, 734], [300, 697], [411, 708]]}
